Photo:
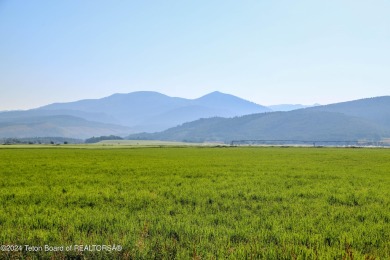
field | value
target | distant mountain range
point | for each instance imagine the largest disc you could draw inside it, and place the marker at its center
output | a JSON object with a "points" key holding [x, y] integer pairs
{"points": [[121, 114], [354, 120], [213, 117]]}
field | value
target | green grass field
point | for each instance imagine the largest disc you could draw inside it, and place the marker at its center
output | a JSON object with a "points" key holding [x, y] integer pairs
{"points": [[196, 203]]}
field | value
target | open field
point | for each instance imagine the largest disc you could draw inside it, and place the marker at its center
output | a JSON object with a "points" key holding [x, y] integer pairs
{"points": [[117, 144], [148, 143], [196, 202]]}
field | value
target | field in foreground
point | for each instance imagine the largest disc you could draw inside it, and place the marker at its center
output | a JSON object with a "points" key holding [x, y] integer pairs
{"points": [[196, 202]]}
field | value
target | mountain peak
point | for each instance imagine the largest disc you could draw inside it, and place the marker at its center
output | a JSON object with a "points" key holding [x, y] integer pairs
{"points": [[219, 95], [228, 102]]}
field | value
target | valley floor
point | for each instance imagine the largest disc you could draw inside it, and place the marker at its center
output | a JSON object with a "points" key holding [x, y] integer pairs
{"points": [[195, 202]]}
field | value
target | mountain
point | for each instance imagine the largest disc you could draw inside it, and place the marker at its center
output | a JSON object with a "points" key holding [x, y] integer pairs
{"points": [[58, 126], [210, 105], [122, 113], [126, 109], [289, 107], [153, 111], [213, 117], [90, 116], [231, 105], [336, 122], [375, 109]]}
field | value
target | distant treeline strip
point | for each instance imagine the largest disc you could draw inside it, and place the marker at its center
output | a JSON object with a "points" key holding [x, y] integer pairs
{"points": [[312, 142], [56, 140], [41, 140], [102, 138]]}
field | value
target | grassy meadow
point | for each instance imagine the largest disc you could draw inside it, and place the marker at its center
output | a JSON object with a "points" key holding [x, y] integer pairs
{"points": [[196, 202]]}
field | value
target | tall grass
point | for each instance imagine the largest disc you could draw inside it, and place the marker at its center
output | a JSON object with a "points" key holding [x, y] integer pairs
{"points": [[202, 203]]}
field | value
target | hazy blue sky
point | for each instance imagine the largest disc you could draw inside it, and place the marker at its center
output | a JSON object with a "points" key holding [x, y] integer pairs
{"points": [[269, 52]]}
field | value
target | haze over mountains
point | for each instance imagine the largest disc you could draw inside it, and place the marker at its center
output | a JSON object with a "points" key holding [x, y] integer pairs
{"points": [[213, 117], [122, 114]]}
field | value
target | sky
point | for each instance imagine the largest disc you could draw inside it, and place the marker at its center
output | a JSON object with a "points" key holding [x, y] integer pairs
{"points": [[268, 52]]}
